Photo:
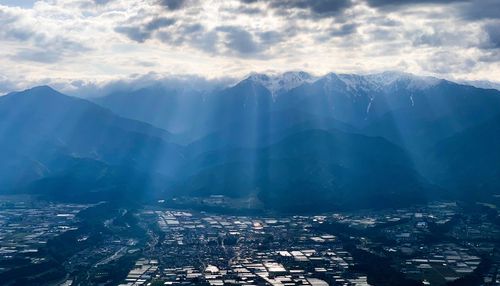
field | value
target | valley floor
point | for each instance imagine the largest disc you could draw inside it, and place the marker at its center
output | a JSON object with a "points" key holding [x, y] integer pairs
{"points": [[442, 243]]}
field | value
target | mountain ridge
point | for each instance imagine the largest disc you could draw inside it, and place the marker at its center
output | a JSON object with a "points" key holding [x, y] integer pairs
{"points": [[40, 127], [344, 139]]}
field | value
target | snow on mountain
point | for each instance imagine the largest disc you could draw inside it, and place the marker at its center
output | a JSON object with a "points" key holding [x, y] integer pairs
{"points": [[482, 84], [352, 83], [280, 83], [407, 80], [382, 81]]}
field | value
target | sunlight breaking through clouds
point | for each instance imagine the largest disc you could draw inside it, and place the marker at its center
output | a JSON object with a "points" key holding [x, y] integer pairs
{"points": [[55, 40]]}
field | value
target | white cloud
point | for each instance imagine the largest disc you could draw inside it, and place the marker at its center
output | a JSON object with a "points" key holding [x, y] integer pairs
{"points": [[101, 40]]}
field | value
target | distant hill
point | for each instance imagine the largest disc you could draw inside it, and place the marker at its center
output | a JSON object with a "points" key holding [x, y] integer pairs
{"points": [[170, 109], [87, 180], [42, 129], [312, 169], [468, 163]]}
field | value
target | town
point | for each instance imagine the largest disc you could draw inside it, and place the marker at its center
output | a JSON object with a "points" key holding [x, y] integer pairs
{"points": [[441, 243]]}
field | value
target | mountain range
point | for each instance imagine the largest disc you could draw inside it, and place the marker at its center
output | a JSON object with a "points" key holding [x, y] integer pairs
{"points": [[294, 141]]}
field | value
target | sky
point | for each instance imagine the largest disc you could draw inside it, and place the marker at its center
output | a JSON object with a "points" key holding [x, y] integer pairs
{"points": [[81, 43]]}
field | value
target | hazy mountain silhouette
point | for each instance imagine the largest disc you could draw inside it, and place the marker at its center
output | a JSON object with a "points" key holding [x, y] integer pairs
{"points": [[294, 141], [41, 128], [313, 169]]}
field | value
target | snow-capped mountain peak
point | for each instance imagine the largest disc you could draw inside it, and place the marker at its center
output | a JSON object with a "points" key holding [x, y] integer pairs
{"points": [[410, 81], [482, 84], [279, 83], [353, 83]]}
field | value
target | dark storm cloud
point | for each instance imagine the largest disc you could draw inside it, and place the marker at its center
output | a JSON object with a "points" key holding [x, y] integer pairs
{"points": [[192, 28], [134, 33], [158, 23], [481, 9], [222, 40], [318, 8], [194, 35], [399, 3], [490, 56], [249, 10], [173, 5], [245, 9], [205, 41], [467, 9], [250, 44], [344, 30], [493, 32], [144, 31], [270, 37], [202, 39], [239, 40]]}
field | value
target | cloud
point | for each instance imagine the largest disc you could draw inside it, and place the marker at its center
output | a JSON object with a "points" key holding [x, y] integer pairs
{"points": [[50, 50], [493, 32], [102, 2], [13, 28], [239, 41], [447, 62], [37, 55], [19, 3], [144, 31], [443, 36], [137, 34], [175, 4], [38, 46], [105, 39], [316, 8], [249, 10], [158, 23], [399, 3], [480, 9], [181, 82], [271, 37], [344, 30], [6, 85], [466, 9], [491, 56], [205, 41], [223, 40]]}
